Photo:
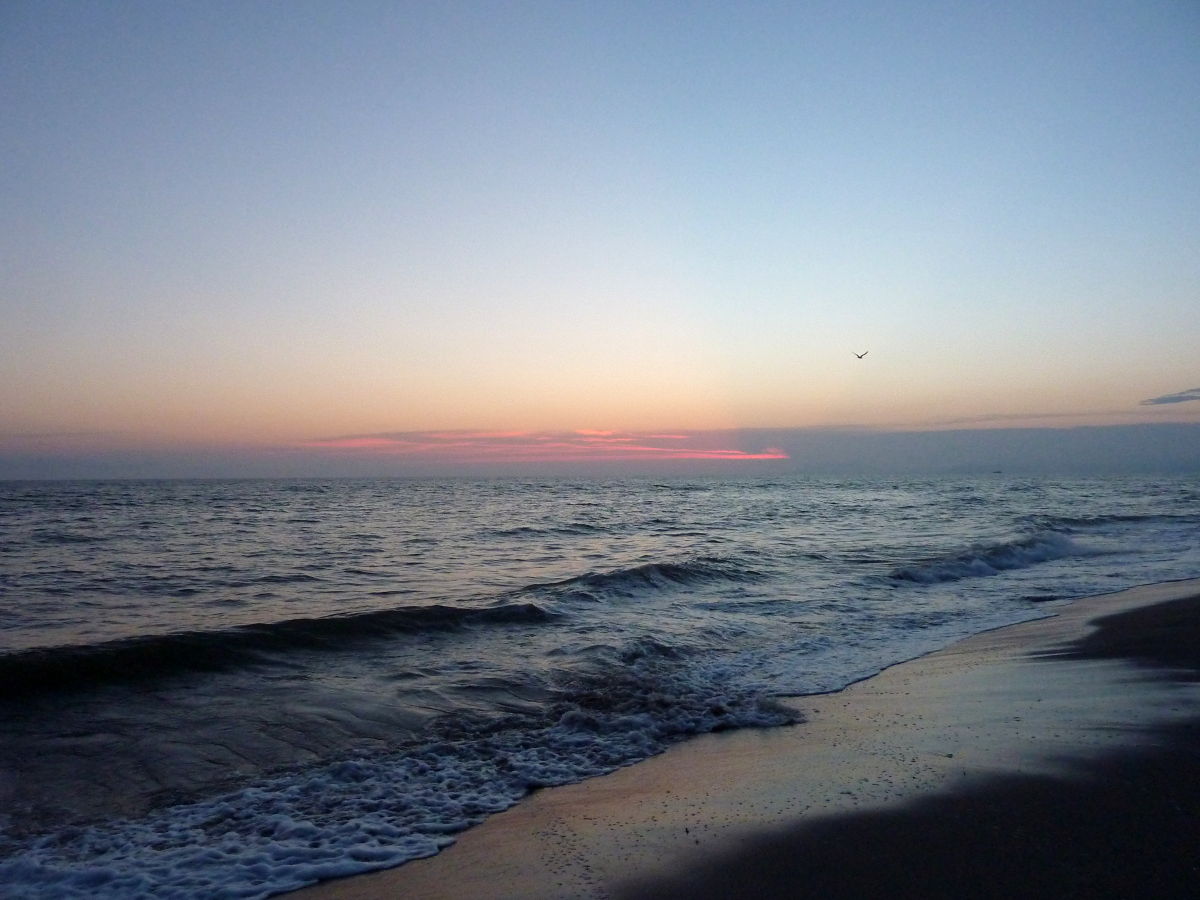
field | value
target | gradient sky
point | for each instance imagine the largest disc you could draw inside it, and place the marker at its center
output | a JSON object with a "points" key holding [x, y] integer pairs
{"points": [[290, 224]]}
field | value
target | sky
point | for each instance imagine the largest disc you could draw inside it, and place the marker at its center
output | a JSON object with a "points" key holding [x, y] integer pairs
{"points": [[297, 236]]}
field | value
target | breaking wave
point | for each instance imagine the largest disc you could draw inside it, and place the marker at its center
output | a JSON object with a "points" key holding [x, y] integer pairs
{"points": [[991, 560]]}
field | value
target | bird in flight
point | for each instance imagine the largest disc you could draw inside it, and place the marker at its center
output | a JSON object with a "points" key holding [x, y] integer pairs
{"points": [[861, 355]]}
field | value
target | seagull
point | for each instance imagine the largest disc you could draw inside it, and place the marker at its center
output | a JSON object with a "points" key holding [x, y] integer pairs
{"points": [[861, 355]]}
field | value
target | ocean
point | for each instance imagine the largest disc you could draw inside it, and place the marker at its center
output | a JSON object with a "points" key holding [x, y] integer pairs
{"points": [[234, 688]]}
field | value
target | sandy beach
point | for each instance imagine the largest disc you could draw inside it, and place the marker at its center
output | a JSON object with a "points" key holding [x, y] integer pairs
{"points": [[1053, 757]]}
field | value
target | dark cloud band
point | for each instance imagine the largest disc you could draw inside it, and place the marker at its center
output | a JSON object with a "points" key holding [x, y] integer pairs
{"points": [[1181, 397]]}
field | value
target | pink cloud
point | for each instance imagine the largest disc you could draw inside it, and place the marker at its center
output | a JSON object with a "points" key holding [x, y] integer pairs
{"points": [[523, 446]]}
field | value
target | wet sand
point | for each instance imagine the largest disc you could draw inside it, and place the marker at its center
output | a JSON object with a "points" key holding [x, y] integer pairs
{"points": [[1059, 757]]}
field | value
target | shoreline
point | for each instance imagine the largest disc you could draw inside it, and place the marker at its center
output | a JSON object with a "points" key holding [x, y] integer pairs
{"points": [[1003, 728]]}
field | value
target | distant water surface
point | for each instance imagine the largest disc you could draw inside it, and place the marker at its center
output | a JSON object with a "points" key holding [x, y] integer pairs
{"points": [[232, 688]]}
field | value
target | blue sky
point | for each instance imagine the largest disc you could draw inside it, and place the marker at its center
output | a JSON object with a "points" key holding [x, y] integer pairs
{"points": [[245, 226]]}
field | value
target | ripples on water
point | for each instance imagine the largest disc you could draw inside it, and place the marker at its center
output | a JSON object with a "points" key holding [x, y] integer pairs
{"points": [[282, 680]]}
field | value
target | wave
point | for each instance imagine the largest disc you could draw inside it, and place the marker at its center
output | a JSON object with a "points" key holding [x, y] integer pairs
{"points": [[188, 583], [651, 576], [568, 528], [983, 561], [43, 670], [293, 578], [67, 537], [1085, 522]]}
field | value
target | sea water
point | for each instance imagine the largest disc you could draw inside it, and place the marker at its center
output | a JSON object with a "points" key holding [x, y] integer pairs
{"points": [[234, 688]]}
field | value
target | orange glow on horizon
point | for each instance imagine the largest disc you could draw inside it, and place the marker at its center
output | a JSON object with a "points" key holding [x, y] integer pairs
{"points": [[455, 435]]}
